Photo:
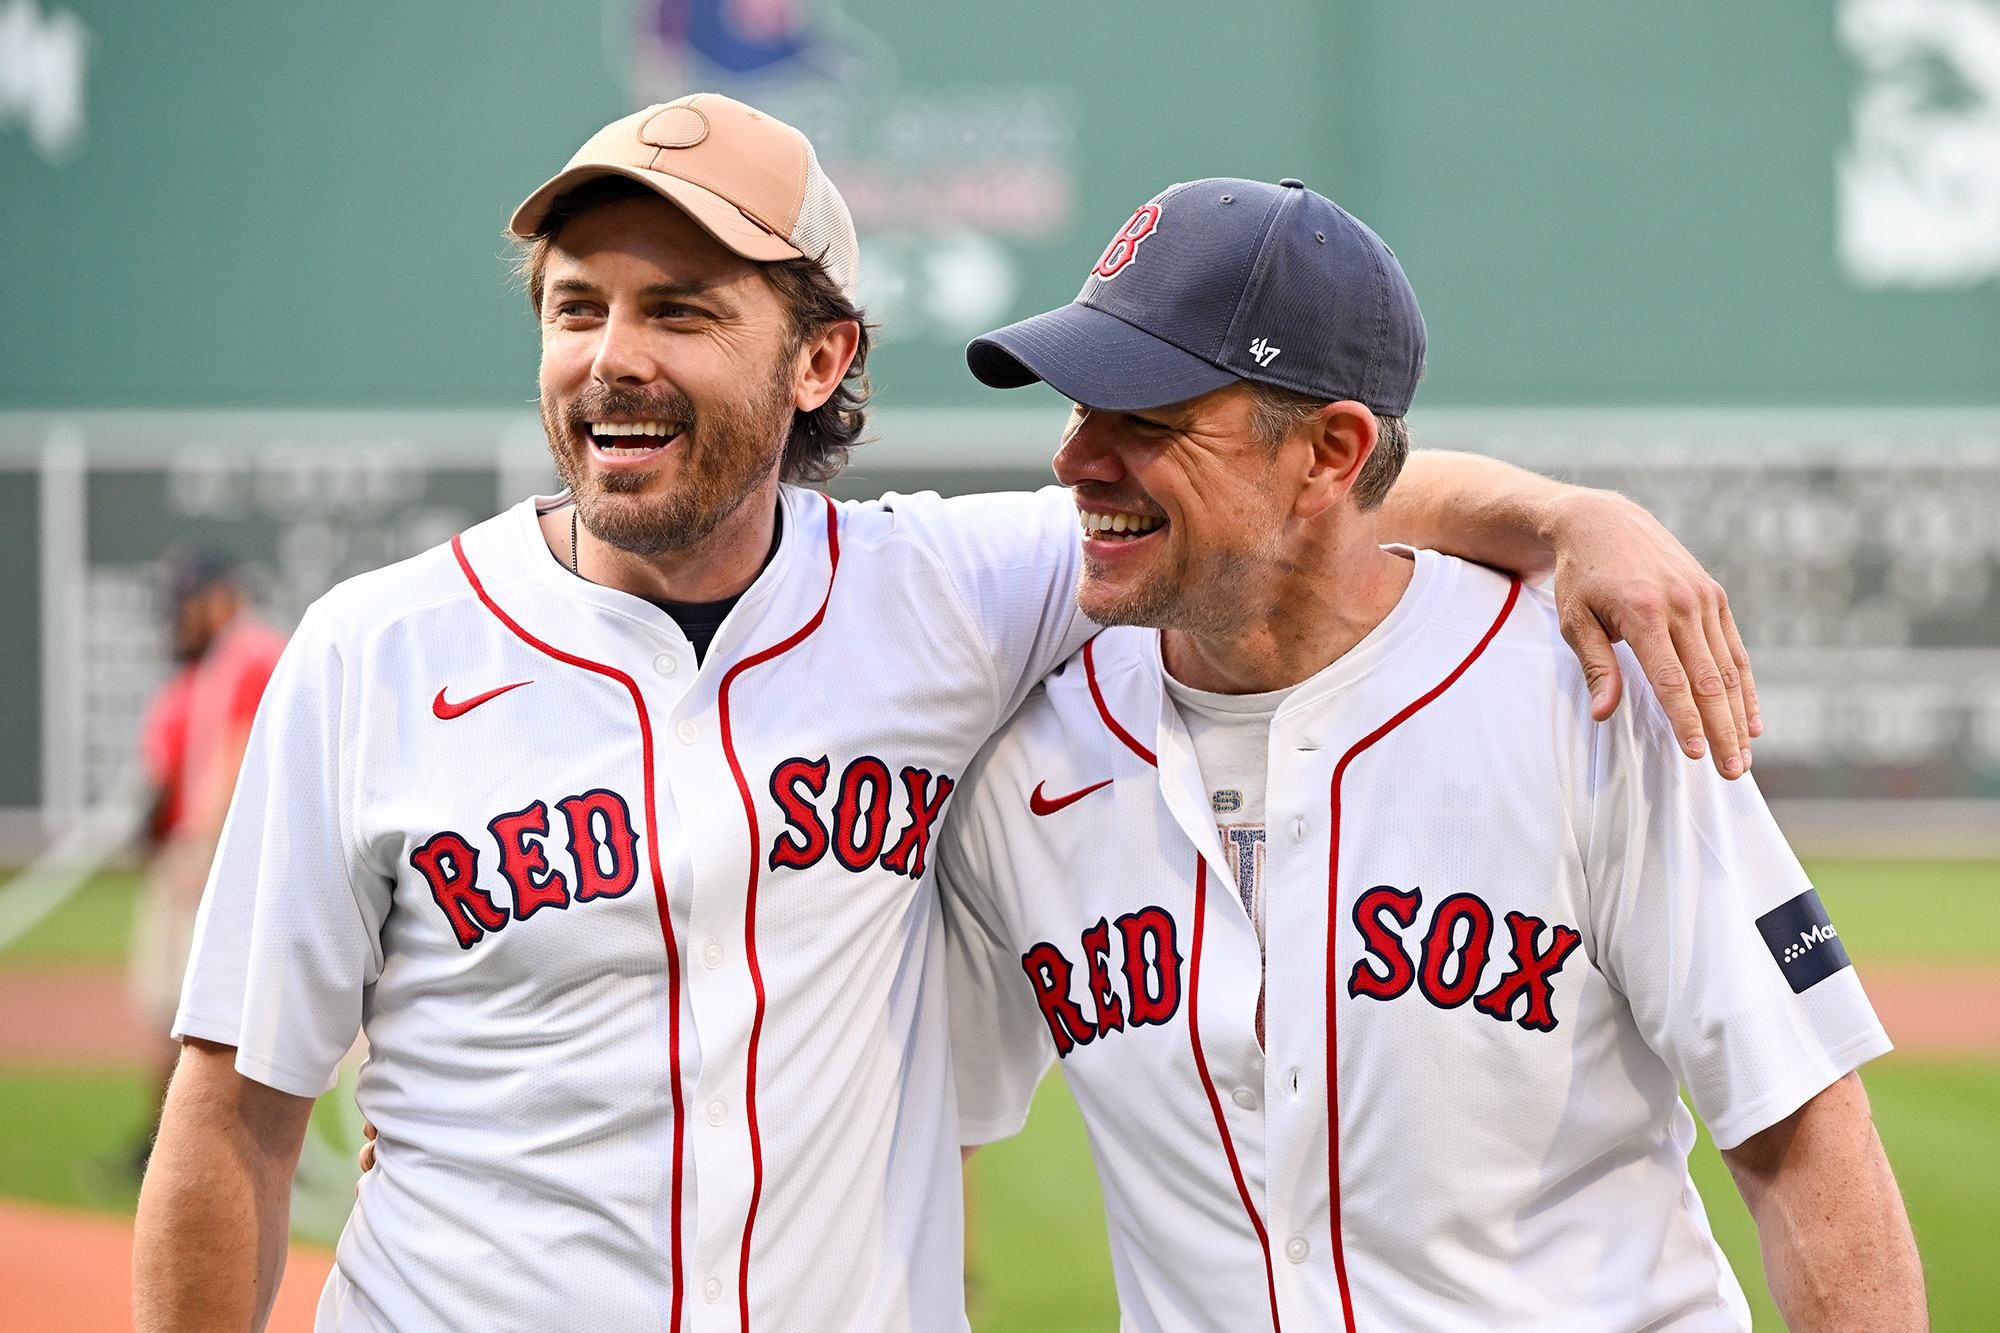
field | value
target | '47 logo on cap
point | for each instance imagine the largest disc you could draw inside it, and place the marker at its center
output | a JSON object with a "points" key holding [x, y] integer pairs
{"points": [[1126, 243]]}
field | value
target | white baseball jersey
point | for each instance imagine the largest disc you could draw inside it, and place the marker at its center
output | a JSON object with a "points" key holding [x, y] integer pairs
{"points": [[646, 953], [1511, 932]]}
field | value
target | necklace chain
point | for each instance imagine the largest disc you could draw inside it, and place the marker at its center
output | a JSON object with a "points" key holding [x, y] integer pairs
{"points": [[572, 541]]}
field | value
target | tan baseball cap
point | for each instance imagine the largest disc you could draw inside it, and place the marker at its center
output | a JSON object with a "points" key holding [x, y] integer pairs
{"points": [[751, 181]]}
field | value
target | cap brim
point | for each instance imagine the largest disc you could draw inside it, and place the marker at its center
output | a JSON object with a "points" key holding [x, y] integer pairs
{"points": [[1093, 358], [715, 215]]}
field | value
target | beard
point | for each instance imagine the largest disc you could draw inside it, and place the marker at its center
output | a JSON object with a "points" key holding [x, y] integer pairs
{"points": [[1212, 595], [1213, 602], [726, 453]]}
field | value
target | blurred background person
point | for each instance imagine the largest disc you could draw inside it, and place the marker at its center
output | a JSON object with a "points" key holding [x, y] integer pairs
{"points": [[191, 743]]}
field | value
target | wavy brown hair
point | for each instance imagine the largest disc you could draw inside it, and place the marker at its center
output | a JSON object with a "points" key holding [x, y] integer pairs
{"points": [[818, 447]]}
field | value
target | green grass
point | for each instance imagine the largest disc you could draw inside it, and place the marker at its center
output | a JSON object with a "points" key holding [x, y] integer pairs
{"points": [[90, 929], [1912, 911], [1941, 1125], [1041, 1261], [70, 1136]]}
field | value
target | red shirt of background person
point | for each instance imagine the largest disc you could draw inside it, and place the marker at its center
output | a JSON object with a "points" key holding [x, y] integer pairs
{"points": [[191, 744], [195, 728]]}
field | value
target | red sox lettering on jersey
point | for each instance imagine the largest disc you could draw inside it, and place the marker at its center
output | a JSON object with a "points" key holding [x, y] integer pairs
{"points": [[1453, 957], [604, 906], [1499, 938], [1453, 960], [860, 815], [1149, 964], [602, 857], [602, 847]]}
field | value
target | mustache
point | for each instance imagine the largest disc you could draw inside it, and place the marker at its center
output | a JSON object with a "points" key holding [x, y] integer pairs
{"points": [[1110, 496], [599, 403]]}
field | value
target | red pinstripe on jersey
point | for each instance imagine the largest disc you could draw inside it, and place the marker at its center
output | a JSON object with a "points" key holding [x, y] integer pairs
{"points": [[659, 886], [1208, 1084], [750, 905], [1194, 993], [1332, 934], [1097, 695]]}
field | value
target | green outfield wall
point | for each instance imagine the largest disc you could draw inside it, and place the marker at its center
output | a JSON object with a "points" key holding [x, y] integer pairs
{"points": [[1742, 261], [1600, 201]]}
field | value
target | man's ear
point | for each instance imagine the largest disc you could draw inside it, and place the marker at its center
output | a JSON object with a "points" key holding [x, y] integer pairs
{"points": [[1342, 438], [823, 363]]}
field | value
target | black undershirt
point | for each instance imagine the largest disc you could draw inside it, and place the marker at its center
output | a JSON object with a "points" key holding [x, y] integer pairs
{"points": [[700, 620]]}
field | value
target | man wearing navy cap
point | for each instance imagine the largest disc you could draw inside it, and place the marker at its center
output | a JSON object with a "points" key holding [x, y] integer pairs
{"points": [[1375, 961]]}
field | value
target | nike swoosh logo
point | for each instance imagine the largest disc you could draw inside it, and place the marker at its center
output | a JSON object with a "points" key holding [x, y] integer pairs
{"points": [[1043, 805], [445, 712]]}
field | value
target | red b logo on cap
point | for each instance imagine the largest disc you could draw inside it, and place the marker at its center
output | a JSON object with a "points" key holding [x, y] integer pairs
{"points": [[1126, 243]]}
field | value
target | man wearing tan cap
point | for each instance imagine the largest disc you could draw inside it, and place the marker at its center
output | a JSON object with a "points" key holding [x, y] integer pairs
{"points": [[610, 822]]}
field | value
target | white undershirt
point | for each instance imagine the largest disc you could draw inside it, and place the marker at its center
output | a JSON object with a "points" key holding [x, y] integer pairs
{"points": [[1232, 739], [1232, 743]]}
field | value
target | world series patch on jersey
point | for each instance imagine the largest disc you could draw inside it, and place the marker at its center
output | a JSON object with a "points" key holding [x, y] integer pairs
{"points": [[646, 951], [1501, 939]]}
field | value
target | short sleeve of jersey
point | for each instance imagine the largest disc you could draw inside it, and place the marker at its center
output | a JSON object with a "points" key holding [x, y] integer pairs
{"points": [[1705, 921], [1012, 560], [289, 932], [1000, 1046]]}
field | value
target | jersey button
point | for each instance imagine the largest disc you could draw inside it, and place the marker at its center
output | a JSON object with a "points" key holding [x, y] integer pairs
{"points": [[711, 1290], [1297, 1248], [717, 1113], [711, 955], [687, 732], [665, 664], [1298, 830], [1244, 1098]]}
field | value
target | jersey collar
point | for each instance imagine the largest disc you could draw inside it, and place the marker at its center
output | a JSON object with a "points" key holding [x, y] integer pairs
{"points": [[1133, 676], [1430, 583], [802, 554]]}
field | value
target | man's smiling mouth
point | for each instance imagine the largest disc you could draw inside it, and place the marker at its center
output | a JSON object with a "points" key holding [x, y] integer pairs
{"points": [[1118, 527], [632, 439]]}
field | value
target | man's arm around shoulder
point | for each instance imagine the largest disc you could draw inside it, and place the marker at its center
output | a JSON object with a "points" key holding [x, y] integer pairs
{"points": [[1838, 1251], [215, 1210], [1619, 575]]}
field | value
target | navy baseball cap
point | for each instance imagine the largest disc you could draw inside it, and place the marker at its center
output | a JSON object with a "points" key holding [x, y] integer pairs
{"points": [[1221, 280]]}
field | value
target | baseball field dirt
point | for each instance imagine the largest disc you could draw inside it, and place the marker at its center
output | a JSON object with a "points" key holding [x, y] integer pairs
{"points": [[64, 1272]]}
